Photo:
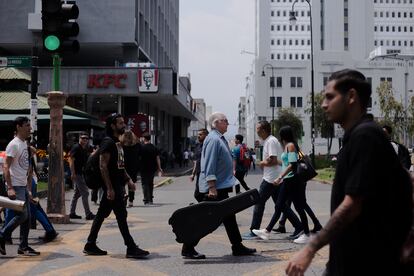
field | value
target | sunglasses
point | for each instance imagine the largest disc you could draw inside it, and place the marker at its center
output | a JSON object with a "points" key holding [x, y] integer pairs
{"points": [[85, 138]]}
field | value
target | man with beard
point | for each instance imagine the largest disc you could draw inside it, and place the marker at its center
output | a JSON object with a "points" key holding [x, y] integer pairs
{"points": [[114, 176], [369, 188]]}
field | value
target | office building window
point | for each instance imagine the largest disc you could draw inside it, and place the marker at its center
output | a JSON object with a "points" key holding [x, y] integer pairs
{"points": [[272, 27], [292, 81], [272, 13], [272, 42], [278, 101], [279, 82], [299, 102], [325, 81], [292, 102], [272, 56]]}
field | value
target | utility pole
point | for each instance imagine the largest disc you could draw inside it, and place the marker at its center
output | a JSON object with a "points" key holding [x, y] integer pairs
{"points": [[33, 93]]}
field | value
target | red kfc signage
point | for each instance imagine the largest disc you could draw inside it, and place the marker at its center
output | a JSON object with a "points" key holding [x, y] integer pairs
{"points": [[106, 80]]}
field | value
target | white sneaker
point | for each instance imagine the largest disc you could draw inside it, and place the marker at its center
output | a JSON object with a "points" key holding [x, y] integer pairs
{"points": [[304, 238], [262, 233]]}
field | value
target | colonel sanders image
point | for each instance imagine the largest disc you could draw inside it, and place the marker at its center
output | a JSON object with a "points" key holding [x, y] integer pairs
{"points": [[148, 76], [143, 126]]}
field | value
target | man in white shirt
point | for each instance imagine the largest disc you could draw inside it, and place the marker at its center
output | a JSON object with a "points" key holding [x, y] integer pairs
{"points": [[271, 170], [18, 176]]}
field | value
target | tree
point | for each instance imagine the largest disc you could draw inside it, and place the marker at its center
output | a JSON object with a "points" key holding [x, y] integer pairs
{"points": [[323, 127], [392, 111], [287, 116]]}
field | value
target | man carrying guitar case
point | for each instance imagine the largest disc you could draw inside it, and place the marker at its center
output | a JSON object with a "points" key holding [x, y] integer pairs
{"points": [[216, 181]]}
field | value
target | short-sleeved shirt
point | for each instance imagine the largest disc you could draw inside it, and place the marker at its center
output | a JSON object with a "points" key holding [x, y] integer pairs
{"points": [[271, 147], [236, 157], [368, 167], [116, 165], [132, 160], [288, 158], [149, 154], [18, 150], [80, 156]]}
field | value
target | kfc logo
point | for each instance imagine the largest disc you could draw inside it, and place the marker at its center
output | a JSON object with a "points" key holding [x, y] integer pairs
{"points": [[148, 80]]}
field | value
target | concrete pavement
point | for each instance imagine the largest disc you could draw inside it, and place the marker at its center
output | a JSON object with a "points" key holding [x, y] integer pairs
{"points": [[149, 226]]}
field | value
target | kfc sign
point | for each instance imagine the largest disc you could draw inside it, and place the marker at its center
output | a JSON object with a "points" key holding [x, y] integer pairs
{"points": [[106, 80], [148, 80]]}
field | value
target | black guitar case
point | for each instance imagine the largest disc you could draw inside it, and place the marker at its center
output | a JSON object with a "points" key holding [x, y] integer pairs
{"points": [[192, 223]]}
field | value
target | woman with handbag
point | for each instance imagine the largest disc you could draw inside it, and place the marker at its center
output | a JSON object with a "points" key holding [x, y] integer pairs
{"points": [[291, 188]]}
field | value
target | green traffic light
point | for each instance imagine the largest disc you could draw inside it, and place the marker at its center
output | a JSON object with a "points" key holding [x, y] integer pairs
{"points": [[52, 42]]}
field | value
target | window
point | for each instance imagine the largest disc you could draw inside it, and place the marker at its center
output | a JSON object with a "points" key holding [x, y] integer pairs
{"points": [[303, 42], [292, 81], [290, 27], [272, 27], [278, 13], [299, 102], [375, 28], [292, 102], [346, 27], [278, 101], [272, 13], [278, 27], [290, 41], [290, 57], [278, 42], [303, 56], [387, 79], [302, 28], [325, 81], [296, 56], [284, 27], [278, 56], [284, 13], [299, 81], [279, 82], [272, 56], [272, 42], [284, 41]]}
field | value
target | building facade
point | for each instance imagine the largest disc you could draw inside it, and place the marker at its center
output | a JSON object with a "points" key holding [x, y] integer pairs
{"points": [[241, 118], [344, 32], [127, 63], [199, 109]]}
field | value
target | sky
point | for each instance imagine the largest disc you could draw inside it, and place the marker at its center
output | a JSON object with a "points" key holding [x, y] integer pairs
{"points": [[212, 35]]}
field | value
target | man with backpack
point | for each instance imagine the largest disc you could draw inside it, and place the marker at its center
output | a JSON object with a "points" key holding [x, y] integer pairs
{"points": [[401, 151], [241, 162], [112, 180]]}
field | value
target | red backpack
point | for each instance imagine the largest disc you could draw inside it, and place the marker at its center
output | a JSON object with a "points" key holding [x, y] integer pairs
{"points": [[245, 156]]}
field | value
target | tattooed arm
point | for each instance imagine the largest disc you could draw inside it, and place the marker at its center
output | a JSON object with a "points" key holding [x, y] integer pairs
{"points": [[346, 212]]}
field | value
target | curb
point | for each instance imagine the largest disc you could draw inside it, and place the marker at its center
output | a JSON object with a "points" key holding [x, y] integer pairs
{"points": [[323, 181], [166, 181]]}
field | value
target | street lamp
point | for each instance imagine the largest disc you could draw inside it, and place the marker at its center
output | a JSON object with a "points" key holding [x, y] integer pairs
{"points": [[272, 85], [292, 19]]}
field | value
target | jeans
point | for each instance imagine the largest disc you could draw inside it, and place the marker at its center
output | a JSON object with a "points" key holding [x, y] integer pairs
{"points": [[266, 191], [81, 190], [105, 208], [147, 180], [20, 218], [230, 223]]}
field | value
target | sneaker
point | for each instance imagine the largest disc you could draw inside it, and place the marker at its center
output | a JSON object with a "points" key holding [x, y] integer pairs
{"points": [[249, 236], [90, 216], [93, 250], [262, 233], [136, 253], [241, 250], [2, 246], [280, 230], [74, 216], [49, 236], [28, 251], [304, 238], [295, 234], [316, 229]]}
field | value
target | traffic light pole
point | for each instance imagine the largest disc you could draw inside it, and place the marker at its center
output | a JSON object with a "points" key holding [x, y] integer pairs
{"points": [[56, 72]]}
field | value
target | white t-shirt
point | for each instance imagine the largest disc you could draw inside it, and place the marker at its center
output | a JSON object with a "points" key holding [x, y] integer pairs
{"points": [[271, 147], [19, 168]]}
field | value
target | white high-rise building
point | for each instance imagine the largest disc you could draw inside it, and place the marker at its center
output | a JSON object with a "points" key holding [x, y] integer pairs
{"points": [[344, 32]]}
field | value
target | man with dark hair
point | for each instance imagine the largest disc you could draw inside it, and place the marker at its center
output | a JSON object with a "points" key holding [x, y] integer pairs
{"points": [[18, 175], [77, 160], [202, 134], [369, 188], [150, 164], [114, 176], [240, 153], [401, 151]]}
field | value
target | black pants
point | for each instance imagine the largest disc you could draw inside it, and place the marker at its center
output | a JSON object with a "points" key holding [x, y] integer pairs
{"points": [[230, 223], [240, 177], [291, 188], [147, 186], [105, 208]]}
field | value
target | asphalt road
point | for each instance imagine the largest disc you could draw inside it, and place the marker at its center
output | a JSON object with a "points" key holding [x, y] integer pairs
{"points": [[149, 226]]}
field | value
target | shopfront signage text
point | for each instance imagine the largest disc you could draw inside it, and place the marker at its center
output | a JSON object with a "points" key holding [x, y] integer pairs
{"points": [[106, 80]]}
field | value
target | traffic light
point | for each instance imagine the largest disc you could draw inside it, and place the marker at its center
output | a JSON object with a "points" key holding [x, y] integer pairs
{"points": [[58, 26]]}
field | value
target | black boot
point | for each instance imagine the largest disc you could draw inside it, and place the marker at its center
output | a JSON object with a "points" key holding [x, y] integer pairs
{"points": [[92, 249], [136, 253]]}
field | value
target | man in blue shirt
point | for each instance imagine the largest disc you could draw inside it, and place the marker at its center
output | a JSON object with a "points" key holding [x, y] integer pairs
{"points": [[216, 181]]}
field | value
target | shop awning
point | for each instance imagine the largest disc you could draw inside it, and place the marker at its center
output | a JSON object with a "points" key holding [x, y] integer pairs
{"points": [[6, 119]]}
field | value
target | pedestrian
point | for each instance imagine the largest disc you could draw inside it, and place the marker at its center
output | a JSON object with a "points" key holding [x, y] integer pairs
{"points": [[240, 155], [370, 188], [291, 188], [18, 175], [150, 160], [401, 151], [252, 158], [132, 151], [216, 181], [77, 161], [186, 156], [202, 134], [271, 170], [114, 176]]}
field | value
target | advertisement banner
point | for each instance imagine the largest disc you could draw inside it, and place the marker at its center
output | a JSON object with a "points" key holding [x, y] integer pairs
{"points": [[138, 123], [148, 79]]}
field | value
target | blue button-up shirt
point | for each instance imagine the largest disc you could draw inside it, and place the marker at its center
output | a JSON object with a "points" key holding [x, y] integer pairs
{"points": [[216, 162]]}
